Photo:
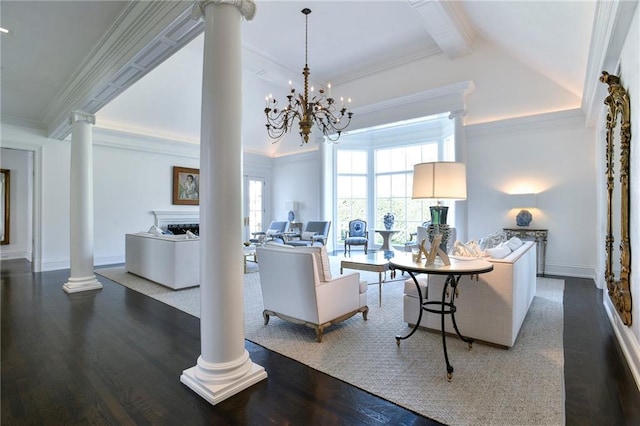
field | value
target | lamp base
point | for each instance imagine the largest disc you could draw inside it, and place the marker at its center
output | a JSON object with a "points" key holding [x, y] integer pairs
{"points": [[442, 230], [438, 214], [524, 218]]}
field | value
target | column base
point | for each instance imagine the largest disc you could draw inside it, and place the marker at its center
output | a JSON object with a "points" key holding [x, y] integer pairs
{"points": [[217, 390], [75, 285]]}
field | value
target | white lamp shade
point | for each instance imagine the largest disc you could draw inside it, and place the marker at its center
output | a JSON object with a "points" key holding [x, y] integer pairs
{"points": [[440, 180]]}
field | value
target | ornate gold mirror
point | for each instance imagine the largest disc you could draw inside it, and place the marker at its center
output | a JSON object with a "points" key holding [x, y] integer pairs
{"points": [[617, 165], [5, 185]]}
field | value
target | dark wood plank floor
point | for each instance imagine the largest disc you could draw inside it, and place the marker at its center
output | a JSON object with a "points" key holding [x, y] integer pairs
{"points": [[114, 356]]}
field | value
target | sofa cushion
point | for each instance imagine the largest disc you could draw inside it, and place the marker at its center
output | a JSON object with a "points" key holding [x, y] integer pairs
{"points": [[410, 286]]}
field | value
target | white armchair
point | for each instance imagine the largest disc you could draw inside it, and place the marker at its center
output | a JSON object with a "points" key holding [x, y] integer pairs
{"points": [[304, 292]]}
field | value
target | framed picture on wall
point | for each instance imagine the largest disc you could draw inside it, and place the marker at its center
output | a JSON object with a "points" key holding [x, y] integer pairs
{"points": [[186, 186]]}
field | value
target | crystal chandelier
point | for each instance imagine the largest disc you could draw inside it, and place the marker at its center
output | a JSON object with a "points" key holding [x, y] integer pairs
{"points": [[321, 109]]}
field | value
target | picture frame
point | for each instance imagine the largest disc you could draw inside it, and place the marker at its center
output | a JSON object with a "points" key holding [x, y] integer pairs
{"points": [[186, 186]]}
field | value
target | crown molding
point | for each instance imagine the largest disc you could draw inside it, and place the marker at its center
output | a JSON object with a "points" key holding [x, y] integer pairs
{"points": [[22, 122], [429, 102], [547, 121], [143, 143], [144, 35]]}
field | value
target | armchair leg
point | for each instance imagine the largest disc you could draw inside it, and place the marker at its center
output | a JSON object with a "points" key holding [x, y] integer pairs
{"points": [[365, 248], [265, 315], [365, 312], [319, 332], [345, 249]]}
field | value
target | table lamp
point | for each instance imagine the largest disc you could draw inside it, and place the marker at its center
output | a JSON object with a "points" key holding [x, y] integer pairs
{"points": [[439, 181]]}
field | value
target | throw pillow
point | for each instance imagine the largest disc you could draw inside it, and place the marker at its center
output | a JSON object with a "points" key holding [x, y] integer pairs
{"points": [[469, 249], [155, 231], [492, 240], [272, 232], [191, 236], [322, 261], [307, 235], [514, 243], [499, 252]]}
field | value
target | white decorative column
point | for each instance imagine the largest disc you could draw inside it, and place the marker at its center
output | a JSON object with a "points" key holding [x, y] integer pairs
{"points": [[460, 138], [223, 368], [81, 212]]}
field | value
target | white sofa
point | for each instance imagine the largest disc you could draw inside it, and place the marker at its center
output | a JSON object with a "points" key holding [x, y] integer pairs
{"points": [[491, 309], [170, 260], [297, 286]]}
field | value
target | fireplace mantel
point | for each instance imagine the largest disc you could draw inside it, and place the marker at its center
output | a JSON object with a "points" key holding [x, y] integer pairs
{"points": [[164, 218]]}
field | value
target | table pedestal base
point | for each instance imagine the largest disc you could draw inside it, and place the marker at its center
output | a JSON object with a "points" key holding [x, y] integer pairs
{"points": [[444, 307]]}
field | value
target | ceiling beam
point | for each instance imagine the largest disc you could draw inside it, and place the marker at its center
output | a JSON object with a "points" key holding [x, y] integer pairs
{"points": [[447, 24], [144, 35]]}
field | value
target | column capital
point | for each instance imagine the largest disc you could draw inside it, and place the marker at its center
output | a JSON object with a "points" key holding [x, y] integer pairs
{"points": [[247, 8], [460, 113], [82, 116]]}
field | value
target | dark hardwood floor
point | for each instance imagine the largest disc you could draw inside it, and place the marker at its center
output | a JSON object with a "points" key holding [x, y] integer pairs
{"points": [[114, 356]]}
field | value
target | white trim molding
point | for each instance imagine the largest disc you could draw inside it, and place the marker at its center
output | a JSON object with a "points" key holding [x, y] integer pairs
{"points": [[164, 218], [145, 34], [422, 104], [626, 339]]}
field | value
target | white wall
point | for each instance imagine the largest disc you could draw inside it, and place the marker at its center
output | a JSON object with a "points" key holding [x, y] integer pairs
{"points": [[551, 155], [20, 165], [130, 181], [298, 178], [132, 178]]}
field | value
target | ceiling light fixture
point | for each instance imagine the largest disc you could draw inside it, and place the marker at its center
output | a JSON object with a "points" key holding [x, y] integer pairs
{"points": [[4, 30], [320, 109]]}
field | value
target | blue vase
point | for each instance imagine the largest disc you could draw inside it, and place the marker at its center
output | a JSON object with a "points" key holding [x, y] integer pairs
{"points": [[389, 219]]}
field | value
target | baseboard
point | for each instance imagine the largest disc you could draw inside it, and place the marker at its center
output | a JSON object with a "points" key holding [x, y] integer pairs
{"points": [[66, 264], [627, 341], [570, 271], [4, 255]]}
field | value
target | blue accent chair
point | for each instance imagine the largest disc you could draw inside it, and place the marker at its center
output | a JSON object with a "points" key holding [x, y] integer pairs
{"points": [[356, 235], [315, 233], [273, 233]]}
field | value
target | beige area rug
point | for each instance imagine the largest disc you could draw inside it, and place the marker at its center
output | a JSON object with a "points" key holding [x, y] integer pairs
{"points": [[491, 386]]}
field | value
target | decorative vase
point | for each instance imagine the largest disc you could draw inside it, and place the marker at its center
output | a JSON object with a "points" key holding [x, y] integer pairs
{"points": [[389, 220]]}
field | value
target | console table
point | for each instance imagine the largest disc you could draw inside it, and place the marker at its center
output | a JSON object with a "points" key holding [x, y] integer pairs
{"points": [[406, 263], [530, 234]]}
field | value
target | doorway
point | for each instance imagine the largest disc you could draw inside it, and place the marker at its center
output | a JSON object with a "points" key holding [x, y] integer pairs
{"points": [[253, 203]]}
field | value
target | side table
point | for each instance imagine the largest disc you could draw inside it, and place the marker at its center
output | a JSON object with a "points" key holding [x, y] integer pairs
{"points": [[447, 306], [530, 234], [386, 236]]}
